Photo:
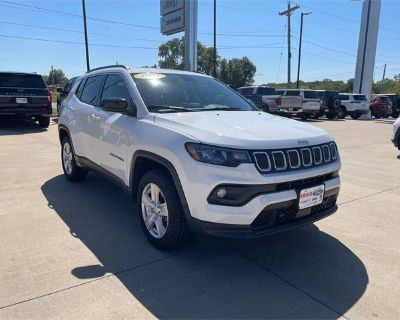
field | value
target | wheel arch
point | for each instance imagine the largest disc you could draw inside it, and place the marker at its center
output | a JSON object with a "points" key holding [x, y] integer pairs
{"points": [[143, 161]]}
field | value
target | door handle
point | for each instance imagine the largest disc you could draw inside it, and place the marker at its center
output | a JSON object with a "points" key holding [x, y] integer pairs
{"points": [[95, 117]]}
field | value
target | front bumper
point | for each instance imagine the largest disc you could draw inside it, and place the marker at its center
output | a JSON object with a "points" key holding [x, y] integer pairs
{"points": [[273, 219]]}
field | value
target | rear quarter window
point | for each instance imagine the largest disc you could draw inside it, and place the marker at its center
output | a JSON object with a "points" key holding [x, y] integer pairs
{"points": [[10, 80]]}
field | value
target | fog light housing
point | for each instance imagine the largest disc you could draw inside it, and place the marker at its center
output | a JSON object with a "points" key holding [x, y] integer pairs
{"points": [[221, 193]]}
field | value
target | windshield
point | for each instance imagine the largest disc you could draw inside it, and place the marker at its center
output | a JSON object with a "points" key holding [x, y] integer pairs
{"points": [[10, 80], [360, 97], [172, 92]]}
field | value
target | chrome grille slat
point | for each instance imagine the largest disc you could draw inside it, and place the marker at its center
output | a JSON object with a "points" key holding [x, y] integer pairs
{"points": [[295, 158]]}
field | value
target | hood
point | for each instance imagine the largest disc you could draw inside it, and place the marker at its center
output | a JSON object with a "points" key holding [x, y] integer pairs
{"points": [[244, 129]]}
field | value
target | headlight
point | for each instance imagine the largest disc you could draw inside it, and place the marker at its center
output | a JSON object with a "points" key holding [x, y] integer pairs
{"points": [[216, 155]]}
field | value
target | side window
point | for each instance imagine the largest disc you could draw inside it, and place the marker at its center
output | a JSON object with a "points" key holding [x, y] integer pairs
{"points": [[292, 93], [247, 91], [91, 91], [115, 87], [79, 88], [344, 97]]}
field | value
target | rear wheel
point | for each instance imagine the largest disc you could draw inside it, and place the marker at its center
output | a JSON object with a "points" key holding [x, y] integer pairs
{"points": [[304, 117], [395, 114], [377, 115], [355, 115], [160, 211], [385, 115], [71, 170], [44, 122]]}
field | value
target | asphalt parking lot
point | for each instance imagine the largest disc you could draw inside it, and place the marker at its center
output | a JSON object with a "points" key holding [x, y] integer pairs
{"points": [[77, 251]]}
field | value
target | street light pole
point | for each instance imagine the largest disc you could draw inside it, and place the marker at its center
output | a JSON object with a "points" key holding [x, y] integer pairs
{"points": [[86, 35], [300, 42], [215, 40]]}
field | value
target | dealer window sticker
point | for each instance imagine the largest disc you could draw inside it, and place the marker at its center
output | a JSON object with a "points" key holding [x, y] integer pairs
{"points": [[149, 76]]}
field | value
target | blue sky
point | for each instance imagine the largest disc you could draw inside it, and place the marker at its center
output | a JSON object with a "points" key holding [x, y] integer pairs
{"points": [[252, 28]]}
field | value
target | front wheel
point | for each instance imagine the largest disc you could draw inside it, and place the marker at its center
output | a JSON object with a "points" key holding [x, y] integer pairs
{"points": [[71, 170], [160, 211], [330, 115], [44, 122], [342, 113], [377, 115], [395, 114], [385, 115], [304, 117]]}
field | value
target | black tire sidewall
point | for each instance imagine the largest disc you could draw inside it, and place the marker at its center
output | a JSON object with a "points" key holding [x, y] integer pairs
{"points": [[77, 174], [177, 229]]}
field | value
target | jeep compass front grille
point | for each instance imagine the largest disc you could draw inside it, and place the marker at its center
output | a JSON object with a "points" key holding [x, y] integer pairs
{"points": [[295, 158]]}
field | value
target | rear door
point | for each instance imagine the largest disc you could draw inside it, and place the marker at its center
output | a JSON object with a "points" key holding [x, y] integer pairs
{"points": [[89, 101], [23, 92]]}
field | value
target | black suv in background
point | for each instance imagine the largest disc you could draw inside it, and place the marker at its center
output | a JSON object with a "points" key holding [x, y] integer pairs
{"points": [[63, 93], [25, 96], [330, 103]]}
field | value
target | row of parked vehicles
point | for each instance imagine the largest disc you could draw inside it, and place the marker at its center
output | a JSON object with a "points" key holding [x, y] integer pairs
{"points": [[306, 103]]}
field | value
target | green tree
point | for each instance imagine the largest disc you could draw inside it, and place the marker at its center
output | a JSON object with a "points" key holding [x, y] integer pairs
{"points": [[58, 75], [237, 71]]}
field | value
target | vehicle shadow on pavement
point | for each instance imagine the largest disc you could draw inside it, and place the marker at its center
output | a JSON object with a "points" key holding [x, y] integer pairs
{"points": [[17, 127], [305, 273]]}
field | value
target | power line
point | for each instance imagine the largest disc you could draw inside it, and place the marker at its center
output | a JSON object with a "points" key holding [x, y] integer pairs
{"points": [[36, 8], [74, 42], [77, 31]]}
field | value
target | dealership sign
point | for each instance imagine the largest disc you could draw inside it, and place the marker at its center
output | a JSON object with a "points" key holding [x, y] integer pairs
{"points": [[172, 16]]}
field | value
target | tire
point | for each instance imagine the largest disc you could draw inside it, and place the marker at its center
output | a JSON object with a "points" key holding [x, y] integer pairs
{"points": [[377, 116], [304, 117], [167, 228], [342, 113], [385, 115], [44, 122], [395, 115], [336, 103], [71, 170], [355, 116], [330, 115]]}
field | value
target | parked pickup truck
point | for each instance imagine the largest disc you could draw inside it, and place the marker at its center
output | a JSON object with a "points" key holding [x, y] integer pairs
{"points": [[25, 96], [300, 102], [265, 98]]}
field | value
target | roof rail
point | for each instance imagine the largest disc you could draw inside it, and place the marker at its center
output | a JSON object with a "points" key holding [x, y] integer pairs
{"points": [[107, 67]]}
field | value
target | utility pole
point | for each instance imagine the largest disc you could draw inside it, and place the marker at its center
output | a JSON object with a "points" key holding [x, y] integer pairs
{"points": [[215, 40], [300, 41], [384, 72], [86, 35], [288, 13], [52, 76]]}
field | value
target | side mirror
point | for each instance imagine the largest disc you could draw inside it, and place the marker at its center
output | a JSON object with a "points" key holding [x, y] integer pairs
{"points": [[119, 105]]}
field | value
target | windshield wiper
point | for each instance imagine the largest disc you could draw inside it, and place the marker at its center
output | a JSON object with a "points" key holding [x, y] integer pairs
{"points": [[224, 108], [164, 107]]}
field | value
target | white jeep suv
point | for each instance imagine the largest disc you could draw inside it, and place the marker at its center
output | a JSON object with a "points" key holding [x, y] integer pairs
{"points": [[196, 155]]}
